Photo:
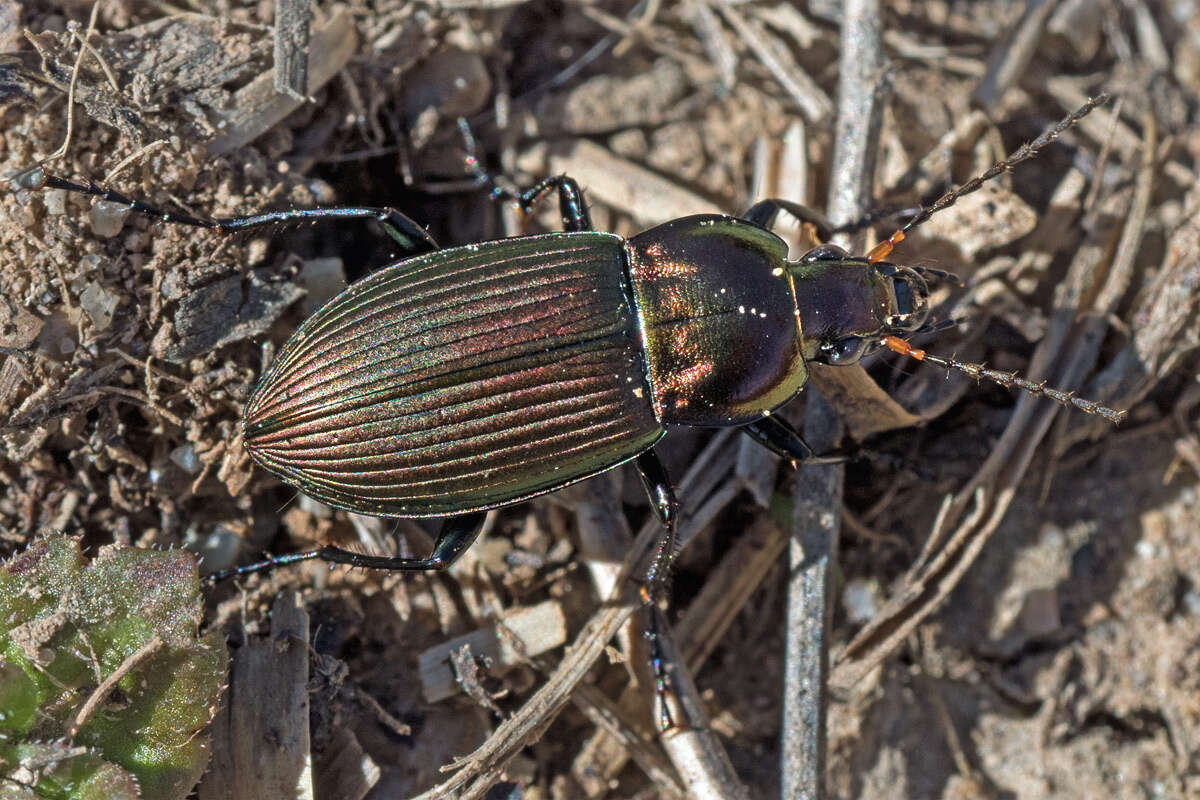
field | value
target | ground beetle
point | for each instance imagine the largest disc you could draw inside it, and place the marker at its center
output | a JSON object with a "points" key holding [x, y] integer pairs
{"points": [[459, 380]]}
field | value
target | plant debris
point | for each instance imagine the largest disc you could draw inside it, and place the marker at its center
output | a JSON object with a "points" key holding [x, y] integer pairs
{"points": [[1032, 574]]}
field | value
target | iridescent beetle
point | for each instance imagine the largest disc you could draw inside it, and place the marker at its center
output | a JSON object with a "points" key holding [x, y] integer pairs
{"points": [[459, 380]]}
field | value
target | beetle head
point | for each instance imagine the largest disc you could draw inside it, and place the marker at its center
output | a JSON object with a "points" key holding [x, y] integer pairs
{"points": [[847, 304]]}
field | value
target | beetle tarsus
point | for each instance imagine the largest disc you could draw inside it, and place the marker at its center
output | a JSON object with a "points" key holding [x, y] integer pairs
{"points": [[49, 181], [658, 668], [404, 231], [457, 534], [265, 565]]}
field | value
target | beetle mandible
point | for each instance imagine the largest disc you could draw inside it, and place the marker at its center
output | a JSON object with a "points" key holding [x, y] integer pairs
{"points": [[458, 380]]}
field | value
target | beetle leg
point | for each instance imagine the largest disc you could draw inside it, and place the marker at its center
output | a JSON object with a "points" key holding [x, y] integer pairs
{"points": [[457, 534], [572, 206], [658, 487], [666, 507], [658, 667], [764, 212], [404, 231], [875, 215], [775, 434]]}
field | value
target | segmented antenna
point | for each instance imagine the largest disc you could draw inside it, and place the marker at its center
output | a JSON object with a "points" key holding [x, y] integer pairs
{"points": [[938, 326], [936, 274], [1007, 379], [1024, 152]]}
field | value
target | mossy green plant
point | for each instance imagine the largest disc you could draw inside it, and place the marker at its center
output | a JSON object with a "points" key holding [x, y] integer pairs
{"points": [[106, 686]]}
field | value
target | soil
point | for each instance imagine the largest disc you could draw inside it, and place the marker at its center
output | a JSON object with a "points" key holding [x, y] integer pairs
{"points": [[1064, 657]]}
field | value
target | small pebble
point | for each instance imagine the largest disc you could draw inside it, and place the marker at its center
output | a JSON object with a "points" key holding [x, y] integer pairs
{"points": [[184, 457], [861, 599], [108, 218]]}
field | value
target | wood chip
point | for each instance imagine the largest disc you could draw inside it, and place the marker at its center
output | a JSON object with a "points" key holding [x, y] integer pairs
{"points": [[535, 630], [260, 735], [257, 107]]}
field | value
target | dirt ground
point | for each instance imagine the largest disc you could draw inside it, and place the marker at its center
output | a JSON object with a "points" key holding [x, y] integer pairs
{"points": [[1016, 601]]}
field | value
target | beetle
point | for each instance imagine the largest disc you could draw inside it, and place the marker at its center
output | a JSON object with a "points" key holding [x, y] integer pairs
{"points": [[458, 380]]}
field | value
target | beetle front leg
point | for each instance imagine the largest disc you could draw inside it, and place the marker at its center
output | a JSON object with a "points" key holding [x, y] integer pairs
{"points": [[775, 434], [457, 534], [764, 212]]}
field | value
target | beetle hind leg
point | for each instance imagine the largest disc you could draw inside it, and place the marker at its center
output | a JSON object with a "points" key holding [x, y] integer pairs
{"points": [[409, 235], [457, 534]]}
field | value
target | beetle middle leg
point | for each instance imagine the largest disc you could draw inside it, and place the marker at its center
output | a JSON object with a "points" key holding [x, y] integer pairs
{"points": [[574, 210], [571, 205], [457, 534]]}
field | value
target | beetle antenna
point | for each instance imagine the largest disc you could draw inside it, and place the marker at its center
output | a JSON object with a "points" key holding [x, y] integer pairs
{"points": [[936, 275], [928, 327], [1024, 152], [940, 325], [873, 216], [1004, 378]]}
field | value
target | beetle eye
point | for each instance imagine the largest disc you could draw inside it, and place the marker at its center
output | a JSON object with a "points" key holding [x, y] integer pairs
{"points": [[824, 252], [843, 352]]}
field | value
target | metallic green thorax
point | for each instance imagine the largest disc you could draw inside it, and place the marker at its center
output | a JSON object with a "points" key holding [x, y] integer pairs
{"points": [[718, 316]]}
